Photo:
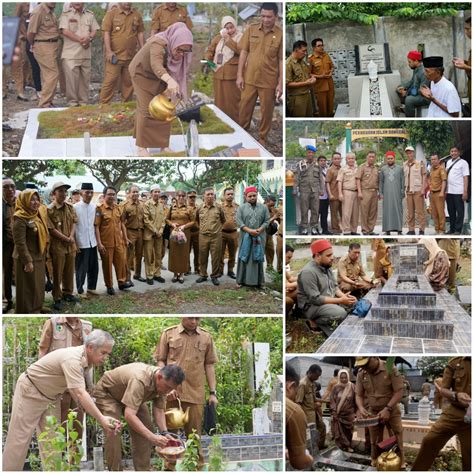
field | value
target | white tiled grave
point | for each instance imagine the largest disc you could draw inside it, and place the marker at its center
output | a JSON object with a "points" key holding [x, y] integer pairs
{"points": [[117, 147]]}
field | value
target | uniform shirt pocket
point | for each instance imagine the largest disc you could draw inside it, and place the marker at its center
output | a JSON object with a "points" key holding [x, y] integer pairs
{"points": [[200, 350], [175, 350], [73, 25]]}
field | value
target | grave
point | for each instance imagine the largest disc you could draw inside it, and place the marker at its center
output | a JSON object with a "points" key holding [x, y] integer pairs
{"points": [[117, 147], [334, 459], [407, 315]]}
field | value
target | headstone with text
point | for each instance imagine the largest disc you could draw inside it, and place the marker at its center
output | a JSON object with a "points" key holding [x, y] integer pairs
{"points": [[377, 52]]}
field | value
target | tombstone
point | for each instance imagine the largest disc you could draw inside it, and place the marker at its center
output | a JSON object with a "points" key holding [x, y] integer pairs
{"points": [[378, 53]]}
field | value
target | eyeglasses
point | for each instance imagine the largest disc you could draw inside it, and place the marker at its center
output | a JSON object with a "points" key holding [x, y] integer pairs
{"points": [[184, 51]]}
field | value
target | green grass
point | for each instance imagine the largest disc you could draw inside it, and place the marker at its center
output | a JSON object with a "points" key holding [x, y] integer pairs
{"points": [[113, 120], [302, 340], [202, 152], [225, 300]]}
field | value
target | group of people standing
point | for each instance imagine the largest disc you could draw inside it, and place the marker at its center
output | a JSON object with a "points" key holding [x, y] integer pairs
{"points": [[62, 380], [352, 193], [246, 65], [377, 392], [63, 241]]}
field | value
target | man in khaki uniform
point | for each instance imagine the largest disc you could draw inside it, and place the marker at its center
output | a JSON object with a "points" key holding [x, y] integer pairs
{"points": [[125, 391], [295, 420], [39, 389], [8, 209], [193, 234], [415, 184], [78, 27], [367, 180], [437, 181], [62, 220], [455, 387], [322, 69], [132, 217], [351, 276], [60, 332], [382, 390], [154, 219], [347, 190], [210, 217], [43, 35], [452, 247], [111, 236], [298, 82], [123, 36], [306, 398], [309, 185], [167, 14], [260, 72], [192, 348], [230, 235], [335, 205]]}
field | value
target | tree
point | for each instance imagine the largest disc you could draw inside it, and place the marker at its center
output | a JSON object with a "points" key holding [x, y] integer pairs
{"points": [[432, 367]]}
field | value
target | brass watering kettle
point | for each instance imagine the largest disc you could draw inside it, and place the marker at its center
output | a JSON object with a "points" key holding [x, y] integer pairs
{"points": [[176, 417], [389, 461], [162, 107]]}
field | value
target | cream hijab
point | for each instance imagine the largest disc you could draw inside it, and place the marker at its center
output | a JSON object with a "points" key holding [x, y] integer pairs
{"points": [[433, 249], [221, 48], [347, 388]]}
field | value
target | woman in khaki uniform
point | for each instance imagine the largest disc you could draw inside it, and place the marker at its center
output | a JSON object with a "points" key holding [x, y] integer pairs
{"points": [[162, 64], [224, 53], [30, 236], [180, 217]]}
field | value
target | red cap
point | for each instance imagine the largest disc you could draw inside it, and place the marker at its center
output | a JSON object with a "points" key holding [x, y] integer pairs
{"points": [[251, 189], [390, 153], [319, 246], [415, 55]]}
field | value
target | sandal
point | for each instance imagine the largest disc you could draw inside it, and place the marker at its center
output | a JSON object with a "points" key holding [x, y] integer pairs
{"points": [[311, 328]]}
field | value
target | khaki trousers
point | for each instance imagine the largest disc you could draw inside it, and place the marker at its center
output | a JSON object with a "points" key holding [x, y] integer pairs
{"points": [[29, 411], [368, 210], [77, 74], [112, 74], [63, 274], [141, 447], [114, 256], [230, 242], [134, 252], [46, 56], [279, 252], [153, 258], [336, 215], [350, 211], [227, 97], [416, 206], [248, 100], [323, 100], [194, 246], [269, 251], [20, 69], [209, 244], [437, 201], [300, 105], [309, 201]]}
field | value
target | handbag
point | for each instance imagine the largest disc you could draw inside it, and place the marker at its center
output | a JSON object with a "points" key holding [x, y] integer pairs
{"points": [[272, 228], [362, 308], [210, 419]]}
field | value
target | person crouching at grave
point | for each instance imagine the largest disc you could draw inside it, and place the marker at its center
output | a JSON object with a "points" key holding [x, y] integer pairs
{"points": [[224, 53], [161, 65], [351, 276], [319, 298], [437, 265]]}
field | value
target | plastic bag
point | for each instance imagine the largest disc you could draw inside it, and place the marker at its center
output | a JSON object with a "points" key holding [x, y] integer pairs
{"points": [[178, 236]]}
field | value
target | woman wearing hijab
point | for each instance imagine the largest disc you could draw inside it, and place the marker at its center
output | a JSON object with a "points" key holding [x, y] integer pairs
{"points": [[437, 265], [343, 408], [224, 53], [30, 235], [180, 217], [162, 64]]}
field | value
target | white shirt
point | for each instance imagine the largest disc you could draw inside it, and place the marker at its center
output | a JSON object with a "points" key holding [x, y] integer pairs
{"points": [[445, 92], [459, 169], [85, 230]]}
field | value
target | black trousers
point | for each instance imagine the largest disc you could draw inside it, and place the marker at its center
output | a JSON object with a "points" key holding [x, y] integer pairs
{"points": [[7, 256], [456, 212], [35, 68], [323, 213], [87, 264]]}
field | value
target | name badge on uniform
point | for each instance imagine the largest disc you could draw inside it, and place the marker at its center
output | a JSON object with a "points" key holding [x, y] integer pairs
{"points": [[219, 58], [117, 28]]}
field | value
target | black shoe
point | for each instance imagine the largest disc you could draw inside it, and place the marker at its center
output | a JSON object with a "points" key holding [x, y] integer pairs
{"points": [[451, 232], [400, 232], [110, 291], [71, 299], [58, 305], [231, 275], [149, 281], [219, 275], [304, 232], [22, 97], [125, 286], [421, 232], [8, 307], [388, 233], [201, 279], [372, 233], [139, 278], [410, 232], [130, 282], [326, 232], [215, 281], [314, 231], [80, 291], [354, 233], [159, 279], [187, 273]]}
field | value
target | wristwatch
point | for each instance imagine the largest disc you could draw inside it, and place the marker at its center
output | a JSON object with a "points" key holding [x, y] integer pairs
{"points": [[212, 392], [454, 397], [389, 408]]}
